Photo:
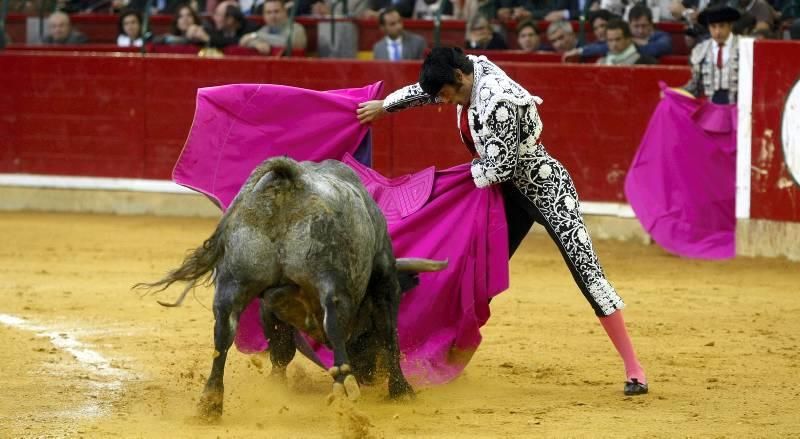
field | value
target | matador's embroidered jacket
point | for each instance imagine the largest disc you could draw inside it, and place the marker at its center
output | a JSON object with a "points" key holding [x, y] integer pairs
{"points": [[502, 119]]}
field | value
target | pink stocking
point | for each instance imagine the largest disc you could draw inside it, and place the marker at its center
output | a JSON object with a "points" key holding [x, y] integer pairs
{"points": [[614, 325]]}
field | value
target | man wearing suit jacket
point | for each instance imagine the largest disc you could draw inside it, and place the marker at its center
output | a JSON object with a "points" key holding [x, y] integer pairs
{"points": [[397, 44]]}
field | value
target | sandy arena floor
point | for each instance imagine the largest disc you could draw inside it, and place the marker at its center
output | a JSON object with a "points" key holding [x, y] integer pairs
{"points": [[82, 355]]}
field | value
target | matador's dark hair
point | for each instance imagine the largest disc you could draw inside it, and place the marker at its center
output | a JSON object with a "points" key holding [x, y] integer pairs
{"points": [[438, 68]]}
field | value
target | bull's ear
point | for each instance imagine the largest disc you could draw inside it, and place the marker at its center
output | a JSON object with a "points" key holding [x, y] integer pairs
{"points": [[265, 181], [408, 280]]}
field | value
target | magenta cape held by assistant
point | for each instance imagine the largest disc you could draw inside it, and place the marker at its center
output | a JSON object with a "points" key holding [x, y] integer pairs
{"points": [[682, 182]]}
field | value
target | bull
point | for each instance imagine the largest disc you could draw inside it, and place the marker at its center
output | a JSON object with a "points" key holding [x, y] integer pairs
{"points": [[309, 241]]}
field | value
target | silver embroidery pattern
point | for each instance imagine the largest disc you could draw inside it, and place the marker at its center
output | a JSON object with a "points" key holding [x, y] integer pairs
{"points": [[407, 97], [549, 186]]}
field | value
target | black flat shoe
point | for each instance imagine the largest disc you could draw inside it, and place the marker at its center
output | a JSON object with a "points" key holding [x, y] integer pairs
{"points": [[634, 387]]}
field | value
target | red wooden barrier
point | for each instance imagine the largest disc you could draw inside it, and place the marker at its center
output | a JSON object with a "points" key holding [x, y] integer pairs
{"points": [[127, 115], [775, 193]]}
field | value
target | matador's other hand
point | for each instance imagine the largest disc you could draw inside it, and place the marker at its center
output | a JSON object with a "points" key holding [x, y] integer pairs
{"points": [[370, 111]]}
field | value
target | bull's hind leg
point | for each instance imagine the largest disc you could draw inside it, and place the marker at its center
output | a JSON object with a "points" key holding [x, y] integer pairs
{"points": [[228, 305], [281, 340], [339, 309]]}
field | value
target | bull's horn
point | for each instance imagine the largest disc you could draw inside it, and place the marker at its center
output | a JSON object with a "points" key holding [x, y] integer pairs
{"points": [[419, 265]]}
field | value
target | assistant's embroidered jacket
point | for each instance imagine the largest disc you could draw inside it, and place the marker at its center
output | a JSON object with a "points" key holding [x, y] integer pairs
{"points": [[707, 78]]}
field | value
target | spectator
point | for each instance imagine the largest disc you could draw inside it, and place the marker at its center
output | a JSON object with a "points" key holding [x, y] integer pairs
{"points": [[765, 16], [763, 34], [599, 20], [252, 7], [275, 32], [517, 10], [229, 26], [157, 7], [60, 31], [397, 43], [715, 62], [184, 18], [355, 8], [528, 37], [570, 9], [427, 9], [374, 7], [794, 30], [650, 41], [561, 36], [130, 29], [470, 8], [621, 50], [481, 36]]}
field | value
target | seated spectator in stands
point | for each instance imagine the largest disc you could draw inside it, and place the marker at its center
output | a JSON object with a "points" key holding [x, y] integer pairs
{"points": [[229, 26], [598, 20], [794, 30], [130, 29], [184, 18], [466, 9], [397, 43], [60, 31], [481, 36], [322, 8], [651, 42], [374, 7], [763, 34], [157, 7], [252, 7], [275, 32], [528, 37], [621, 50], [561, 36], [427, 9], [517, 10], [567, 9], [764, 14]]}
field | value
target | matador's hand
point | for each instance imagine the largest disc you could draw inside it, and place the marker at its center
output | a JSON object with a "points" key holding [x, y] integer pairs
{"points": [[370, 111]]}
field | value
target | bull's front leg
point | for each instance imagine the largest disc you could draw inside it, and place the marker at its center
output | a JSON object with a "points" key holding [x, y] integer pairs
{"points": [[338, 308], [226, 319]]}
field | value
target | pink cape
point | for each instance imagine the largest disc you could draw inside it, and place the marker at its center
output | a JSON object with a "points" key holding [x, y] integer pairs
{"points": [[431, 214], [682, 182]]}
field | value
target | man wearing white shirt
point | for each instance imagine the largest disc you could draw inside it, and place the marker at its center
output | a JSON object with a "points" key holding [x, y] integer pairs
{"points": [[397, 44], [715, 62]]}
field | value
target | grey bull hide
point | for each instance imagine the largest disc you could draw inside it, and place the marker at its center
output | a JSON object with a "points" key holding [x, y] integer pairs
{"points": [[309, 240]]}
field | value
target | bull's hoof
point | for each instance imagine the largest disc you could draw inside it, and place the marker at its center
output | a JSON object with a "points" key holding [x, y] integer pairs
{"points": [[351, 387], [278, 374], [400, 389], [210, 406], [334, 371], [338, 393], [346, 389]]}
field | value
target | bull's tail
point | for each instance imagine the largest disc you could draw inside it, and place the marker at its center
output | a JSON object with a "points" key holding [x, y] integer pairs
{"points": [[197, 264], [276, 170]]}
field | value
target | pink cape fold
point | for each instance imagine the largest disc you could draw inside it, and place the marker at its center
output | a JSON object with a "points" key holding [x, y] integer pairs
{"points": [[431, 214], [682, 182], [236, 127]]}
